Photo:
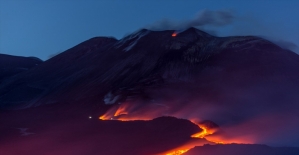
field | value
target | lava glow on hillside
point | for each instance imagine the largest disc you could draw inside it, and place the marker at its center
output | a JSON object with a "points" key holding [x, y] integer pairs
{"points": [[127, 112], [174, 34]]}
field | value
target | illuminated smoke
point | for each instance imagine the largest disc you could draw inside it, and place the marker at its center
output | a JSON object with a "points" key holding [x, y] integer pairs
{"points": [[243, 116]]}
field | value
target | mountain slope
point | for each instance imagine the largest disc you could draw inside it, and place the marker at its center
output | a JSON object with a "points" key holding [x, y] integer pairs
{"points": [[106, 69], [12, 65]]}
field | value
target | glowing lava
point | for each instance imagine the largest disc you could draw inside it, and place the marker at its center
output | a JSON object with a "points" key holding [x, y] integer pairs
{"points": [[104, 117], [178, 152], [121, 111], [201, 134], [174, 34], [130, 112], [205, 132]]}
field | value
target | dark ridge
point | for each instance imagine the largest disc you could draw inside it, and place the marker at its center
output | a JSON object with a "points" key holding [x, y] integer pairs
{"points": [[12, 65], [7, 61], [242, 149], [62, 130]]}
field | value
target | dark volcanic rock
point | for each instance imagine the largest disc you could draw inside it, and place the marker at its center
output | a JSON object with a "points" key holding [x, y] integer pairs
{"points": [[242, 149], [173, 125], [59, 130], [106, 70], [12, 65], [57, 76]]}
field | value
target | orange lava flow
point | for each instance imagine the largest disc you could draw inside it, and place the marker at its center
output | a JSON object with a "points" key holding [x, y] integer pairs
{"points": [[127, 112], [205, 131], [174, 34], [183, 149], [105, 117], [121, 111], [202, 134], [178, 152]]}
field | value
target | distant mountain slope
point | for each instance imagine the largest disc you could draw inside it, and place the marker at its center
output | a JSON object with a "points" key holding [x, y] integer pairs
{"points": [[12, 65]]}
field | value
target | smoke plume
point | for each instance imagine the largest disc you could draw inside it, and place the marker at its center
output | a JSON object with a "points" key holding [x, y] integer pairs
{"points": [[203, 18], [239, 25]]}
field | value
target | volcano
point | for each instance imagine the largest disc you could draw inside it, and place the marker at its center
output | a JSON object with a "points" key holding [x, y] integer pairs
{"points": [[245, 87], [110, 70]]}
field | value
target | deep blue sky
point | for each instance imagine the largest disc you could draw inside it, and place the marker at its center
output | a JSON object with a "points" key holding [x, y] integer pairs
{"points": [[44, 27]]}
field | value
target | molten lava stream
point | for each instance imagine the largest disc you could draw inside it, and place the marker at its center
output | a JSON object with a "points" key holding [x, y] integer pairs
{"points": [[197, 136], [186, 147], [121, 113], [203, 133], [178, 152], [174, 34]]}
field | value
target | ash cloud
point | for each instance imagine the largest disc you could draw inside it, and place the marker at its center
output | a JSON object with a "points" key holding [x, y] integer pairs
{"points": [[203, 18]]}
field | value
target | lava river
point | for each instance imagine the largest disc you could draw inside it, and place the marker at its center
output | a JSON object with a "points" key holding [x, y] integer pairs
{"points": [[130, 112]]}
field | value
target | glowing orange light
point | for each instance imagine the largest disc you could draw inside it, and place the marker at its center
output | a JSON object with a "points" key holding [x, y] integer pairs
{"points": [[205, 131], [127, 112], [121, 111], [174, 34], [202, 134], [178, 152], [103, 117]]}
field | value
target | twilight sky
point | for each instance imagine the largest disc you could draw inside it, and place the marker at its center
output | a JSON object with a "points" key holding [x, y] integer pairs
{"points": [[45, 27]]}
